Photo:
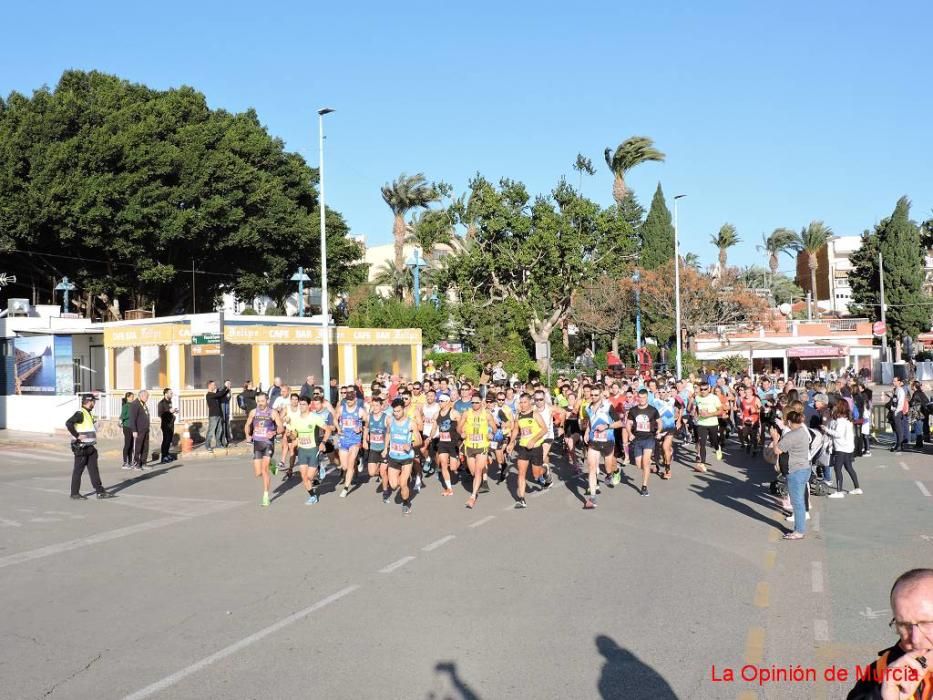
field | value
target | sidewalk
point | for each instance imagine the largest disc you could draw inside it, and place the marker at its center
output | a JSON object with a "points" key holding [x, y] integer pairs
{"points": [[109, 448]]}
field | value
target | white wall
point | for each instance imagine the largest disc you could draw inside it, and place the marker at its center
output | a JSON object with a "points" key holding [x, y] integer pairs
{"points": [[36, 414]]}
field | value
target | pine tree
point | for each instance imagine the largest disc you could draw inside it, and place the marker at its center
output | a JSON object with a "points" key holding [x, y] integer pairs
{"points": [[899, 243], [864, 277], [657, 234], [632, 211]]}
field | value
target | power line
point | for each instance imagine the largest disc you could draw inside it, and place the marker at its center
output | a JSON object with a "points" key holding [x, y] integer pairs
{"points": [[135, 266]]}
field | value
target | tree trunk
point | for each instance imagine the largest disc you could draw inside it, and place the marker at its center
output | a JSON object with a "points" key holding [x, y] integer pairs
{"points": [[897, 350], [618, 189], [812, 262], [722, 262], [565, 335], [615, 344], [773, 264], [398, 235]]}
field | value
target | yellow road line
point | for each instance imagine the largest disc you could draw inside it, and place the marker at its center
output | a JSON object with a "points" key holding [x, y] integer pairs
{"points": [[773, 536], [762, 592], [755, 645], [770, 557]]}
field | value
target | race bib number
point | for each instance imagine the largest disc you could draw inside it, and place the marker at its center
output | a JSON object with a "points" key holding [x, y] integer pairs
{"points": [[494, 444], [476, 437], [399, 447], [349, 423], [600, 436], [445, 436], [375, 436], [305, 441]]}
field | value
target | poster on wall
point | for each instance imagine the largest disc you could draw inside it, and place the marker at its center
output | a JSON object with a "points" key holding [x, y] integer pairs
{"points": [[64, 365], [34, 365]]}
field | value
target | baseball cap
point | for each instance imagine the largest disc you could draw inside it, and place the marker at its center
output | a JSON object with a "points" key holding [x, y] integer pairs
{"points": [[443, 397]]}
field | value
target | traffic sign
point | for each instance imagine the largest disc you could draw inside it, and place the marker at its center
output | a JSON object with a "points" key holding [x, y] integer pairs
{"points": [[206, 339], [878, 328]]}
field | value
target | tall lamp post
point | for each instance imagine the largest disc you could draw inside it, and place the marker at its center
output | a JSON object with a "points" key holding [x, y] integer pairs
{"points": [[677, 330], [416, 262], [325, 335], [636, 278], [300, 277]]}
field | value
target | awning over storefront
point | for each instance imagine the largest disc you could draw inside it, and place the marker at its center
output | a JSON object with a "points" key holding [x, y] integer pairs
{"points": [[817, 352]]}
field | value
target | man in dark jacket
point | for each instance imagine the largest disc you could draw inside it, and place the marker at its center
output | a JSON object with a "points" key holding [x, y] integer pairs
{"points": [[307, 389], [139, 424], [904, 670], [84, 431], [215, 413], [167, 423]]}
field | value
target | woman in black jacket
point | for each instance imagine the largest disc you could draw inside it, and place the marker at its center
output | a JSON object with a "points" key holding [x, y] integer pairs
{"points": [[128, 398], [918, 414], [248, 402]]}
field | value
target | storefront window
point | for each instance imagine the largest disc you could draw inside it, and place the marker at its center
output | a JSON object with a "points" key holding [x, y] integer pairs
{"points": [[238, 366], [293, 363], [124, 369], [391, 359]]}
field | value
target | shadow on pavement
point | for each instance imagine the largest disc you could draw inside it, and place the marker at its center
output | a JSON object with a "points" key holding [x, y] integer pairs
{"points": [[625, 676], [448, 669], [145, 476]]}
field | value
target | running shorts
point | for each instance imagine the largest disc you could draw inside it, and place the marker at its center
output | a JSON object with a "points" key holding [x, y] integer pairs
{"points": [[374, 457], [447, 448], [535, 455], [399, 463], [641, 445], [348, 443], [476, 451], [606, 449], [261, 450], [307, 457]]}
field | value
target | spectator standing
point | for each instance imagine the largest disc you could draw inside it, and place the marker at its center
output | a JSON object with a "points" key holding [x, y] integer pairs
{"points": [[128, 398], [247, 398], [918, 414], [215, 413], [900, 409], [796, 443], [225, 411], [276, 390], [139, 423], [307, 389], [167, 414], [334, 394]]}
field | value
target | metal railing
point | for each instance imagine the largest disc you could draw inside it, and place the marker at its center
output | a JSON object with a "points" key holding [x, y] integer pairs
{"points": [[191, 406]]}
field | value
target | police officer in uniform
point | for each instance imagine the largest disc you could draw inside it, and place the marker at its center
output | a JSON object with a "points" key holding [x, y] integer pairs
{"points": [[82, 428]]}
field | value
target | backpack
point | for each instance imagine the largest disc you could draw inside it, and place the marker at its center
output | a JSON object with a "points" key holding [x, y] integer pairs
{"points": [[856, 413], [778, 487], [817, 443], [818, 487], [241, 402]]}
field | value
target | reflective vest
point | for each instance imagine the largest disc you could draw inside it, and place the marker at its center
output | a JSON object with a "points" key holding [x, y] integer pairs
{"points": [[87, 432]]}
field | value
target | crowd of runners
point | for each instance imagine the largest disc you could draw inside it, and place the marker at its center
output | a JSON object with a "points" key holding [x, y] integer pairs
{"points": [[403, 435]]}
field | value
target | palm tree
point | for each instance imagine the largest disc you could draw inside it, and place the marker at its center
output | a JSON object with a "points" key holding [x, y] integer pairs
{"points": [[429, 229], [691, 260], [399, 281], [725, 239], [631, 152], [810, 240], [406, 193], [780, 241]]}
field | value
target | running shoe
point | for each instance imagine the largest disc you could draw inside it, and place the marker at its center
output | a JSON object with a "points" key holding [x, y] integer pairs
{"points": [[790, 518], [344, 492], [484, 487], [274, 469], [719, 454], [587, 492], [311, 500], [837, 494], [406, 509], [856, 492], [590, 504], [616, 478], [447, 492], [418, 484], [126, 467], [386, 495], [471, 502], [265, 499], [105, 494], [520, 503], [644, 491], [502, 476]]}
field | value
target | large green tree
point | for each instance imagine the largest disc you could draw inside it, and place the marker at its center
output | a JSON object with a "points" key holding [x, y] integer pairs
{"points": [[864, 279], [628, 154], [899, 243], [529, 255], [125, 189], [657, 234]]}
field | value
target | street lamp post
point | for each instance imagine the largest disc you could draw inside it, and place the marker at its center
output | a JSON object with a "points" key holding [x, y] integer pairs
{"points": [[637, 278], [680, 365], [300, 277], [325, 335], [416, 262]]}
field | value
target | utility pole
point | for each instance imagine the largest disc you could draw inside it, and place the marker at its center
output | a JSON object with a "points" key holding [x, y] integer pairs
{"points": [[884, 336], [194, 290]]}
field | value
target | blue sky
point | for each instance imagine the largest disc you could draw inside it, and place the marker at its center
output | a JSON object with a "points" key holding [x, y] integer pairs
{"points": [[771, 114]]}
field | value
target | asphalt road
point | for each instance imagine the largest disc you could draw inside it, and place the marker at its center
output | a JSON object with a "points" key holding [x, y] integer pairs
{"points": [[183, 587]]}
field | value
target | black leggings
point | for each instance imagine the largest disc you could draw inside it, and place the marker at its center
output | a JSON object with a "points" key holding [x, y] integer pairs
{"points": [[704, 433], [127, 445], [724, 427], [843, 460], [749, 433]]}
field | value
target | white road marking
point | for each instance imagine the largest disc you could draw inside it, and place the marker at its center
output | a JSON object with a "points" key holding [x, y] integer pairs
{"points": [[45, 520], [923, 489], [820, 630], [815, 521], [38, 456], [52, 549], [870, 614], [904, 466], [437, 543], [171, 680], [396, 565], [816, 576], [482, 521], [881, 466], [9, 523]]}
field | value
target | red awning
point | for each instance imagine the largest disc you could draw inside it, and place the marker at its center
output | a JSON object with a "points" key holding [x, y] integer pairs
{"points": [[817, 352]]}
